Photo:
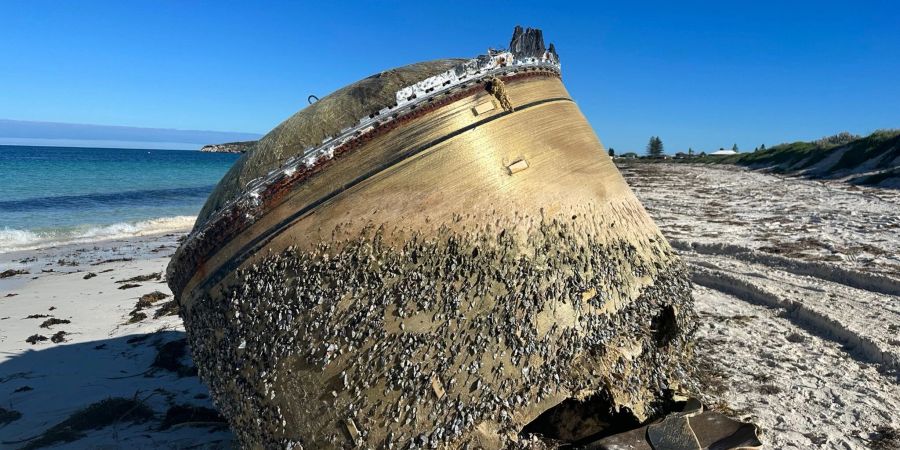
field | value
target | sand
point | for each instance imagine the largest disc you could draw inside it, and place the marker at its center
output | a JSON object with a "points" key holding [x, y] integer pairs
{"points": [[102, 355], [797, 284]]}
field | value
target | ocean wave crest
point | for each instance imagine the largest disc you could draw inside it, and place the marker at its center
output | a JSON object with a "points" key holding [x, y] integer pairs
{"points": [[12, 239]]}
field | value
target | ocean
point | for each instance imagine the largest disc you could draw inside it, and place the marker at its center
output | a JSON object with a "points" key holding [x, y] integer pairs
{"points": [[57, 195]]}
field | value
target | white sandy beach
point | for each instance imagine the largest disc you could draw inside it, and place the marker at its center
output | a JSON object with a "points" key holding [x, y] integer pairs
{"points": [[798, 290], [796, 283], [101, 355]]}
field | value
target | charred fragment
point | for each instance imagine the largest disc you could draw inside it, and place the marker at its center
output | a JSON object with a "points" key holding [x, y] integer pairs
{"points": [[394, 284]]}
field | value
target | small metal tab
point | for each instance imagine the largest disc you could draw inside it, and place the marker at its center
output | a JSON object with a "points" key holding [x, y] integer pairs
{"points": [[483, 108], [517, 166]]}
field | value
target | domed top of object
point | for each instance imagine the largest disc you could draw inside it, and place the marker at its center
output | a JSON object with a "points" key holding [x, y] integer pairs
{"points": [[312, 125]]}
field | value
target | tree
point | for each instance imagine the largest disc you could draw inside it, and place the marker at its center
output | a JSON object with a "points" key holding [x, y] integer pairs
{"points": [[655, 146], [612, 152], [755, 149], [690, 151], [735, 148], [762, 148]]}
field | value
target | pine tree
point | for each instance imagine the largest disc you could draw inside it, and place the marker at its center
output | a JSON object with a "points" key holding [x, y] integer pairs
{"points": [[612, 152], [690, 151], [655, 147], [735, 148], [762, 148]]}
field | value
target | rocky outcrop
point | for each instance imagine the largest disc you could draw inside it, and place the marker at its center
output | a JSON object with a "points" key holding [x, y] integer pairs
{"points": [[229, 147]]}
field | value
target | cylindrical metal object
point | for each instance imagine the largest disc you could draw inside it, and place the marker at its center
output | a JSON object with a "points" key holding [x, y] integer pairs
{"points": [[442, 279]]}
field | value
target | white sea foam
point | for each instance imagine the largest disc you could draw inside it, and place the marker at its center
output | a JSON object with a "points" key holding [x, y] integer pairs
{"points": [[14, 239]]}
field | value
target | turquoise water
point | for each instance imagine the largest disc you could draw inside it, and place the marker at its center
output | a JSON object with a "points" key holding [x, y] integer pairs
{"points": [[57, 194]]}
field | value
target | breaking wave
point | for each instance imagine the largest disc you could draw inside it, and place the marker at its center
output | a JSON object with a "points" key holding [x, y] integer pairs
{"points": [[14, 239]]}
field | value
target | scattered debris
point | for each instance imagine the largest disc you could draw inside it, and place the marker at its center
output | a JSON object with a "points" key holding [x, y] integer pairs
{"points": [[105, 271], [191, 415], [169, 308], [140, 278], [90, 275], [111, 261], [136, 317], [13, 272], [7, 416], [147, 300], [38, 316], [139, 339], [129, 286], [98, 415], [54, 321], [65, 262], [60, 336], [35, 338], [170, 356], [11, 295], [886, 438]]}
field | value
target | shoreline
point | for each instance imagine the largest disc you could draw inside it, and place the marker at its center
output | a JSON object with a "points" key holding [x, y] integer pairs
{"points": [[91, 322], [776, 342], [95, 234]]}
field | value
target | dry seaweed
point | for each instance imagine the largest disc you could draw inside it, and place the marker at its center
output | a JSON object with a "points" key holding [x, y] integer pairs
{"points": [[7, 416], [60, 336], [147, 300], [169, 308], [169, 358], [98, 415], [192, 415], [35, 338], [141, 278], [12, 272], [136, 317], [54, 321], [38, 316], [886, 438]]}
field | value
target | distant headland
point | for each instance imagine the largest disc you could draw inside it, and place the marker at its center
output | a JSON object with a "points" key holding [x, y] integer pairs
{"points": [[228, 147]]}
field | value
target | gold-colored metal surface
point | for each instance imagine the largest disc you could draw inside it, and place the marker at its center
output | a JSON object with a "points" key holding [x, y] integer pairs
{"points": [[427, 279]]}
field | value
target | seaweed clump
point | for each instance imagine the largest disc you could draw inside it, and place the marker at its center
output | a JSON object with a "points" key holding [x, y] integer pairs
{"points": [[8, 415], [192, 415], [170, 358], [95, 416]]}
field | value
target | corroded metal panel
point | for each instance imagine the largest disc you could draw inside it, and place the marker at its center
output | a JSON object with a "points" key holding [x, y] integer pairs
{"points": [[422, 288]]}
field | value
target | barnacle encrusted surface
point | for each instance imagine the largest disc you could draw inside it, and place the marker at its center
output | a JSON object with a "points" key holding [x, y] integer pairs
{"points": [[461, 336]]}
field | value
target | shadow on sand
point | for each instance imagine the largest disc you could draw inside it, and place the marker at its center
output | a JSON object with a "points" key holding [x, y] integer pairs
{"points": [[139, 390]]}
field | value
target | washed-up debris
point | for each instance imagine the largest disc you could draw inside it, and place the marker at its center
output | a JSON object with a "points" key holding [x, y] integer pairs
{"points": [[104, 413], [141, 278], [54, 321], [35, 338], [13, 272]]}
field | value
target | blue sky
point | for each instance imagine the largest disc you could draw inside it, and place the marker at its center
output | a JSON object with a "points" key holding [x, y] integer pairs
{"points": [[701, 74]]}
